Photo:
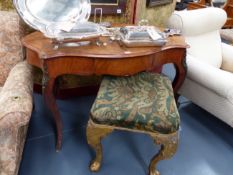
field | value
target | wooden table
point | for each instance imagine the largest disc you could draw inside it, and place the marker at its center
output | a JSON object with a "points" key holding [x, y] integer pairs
{"points": [[112, 59]]}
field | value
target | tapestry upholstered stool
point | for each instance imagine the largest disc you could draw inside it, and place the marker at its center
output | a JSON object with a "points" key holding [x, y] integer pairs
{"points": [[140, 103]]}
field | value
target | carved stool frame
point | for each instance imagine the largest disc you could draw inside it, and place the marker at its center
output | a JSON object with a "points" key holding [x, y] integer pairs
{"points": [[96, 132]]}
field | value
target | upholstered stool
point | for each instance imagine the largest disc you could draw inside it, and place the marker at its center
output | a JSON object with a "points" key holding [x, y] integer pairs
{"points": [[140, 103]]}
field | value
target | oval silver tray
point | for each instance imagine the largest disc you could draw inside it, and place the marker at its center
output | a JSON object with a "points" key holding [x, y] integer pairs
{"points": [[39, 14]]}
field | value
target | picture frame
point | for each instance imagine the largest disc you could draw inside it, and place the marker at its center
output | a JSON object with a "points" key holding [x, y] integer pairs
{"points": [[109, 7], [152, 3]]}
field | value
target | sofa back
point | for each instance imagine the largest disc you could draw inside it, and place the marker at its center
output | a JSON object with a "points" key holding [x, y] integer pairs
{"points": [[201, 31], [11, 51]]}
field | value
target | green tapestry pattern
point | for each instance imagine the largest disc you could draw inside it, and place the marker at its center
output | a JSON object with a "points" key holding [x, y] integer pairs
{"points": [[144, 101]]}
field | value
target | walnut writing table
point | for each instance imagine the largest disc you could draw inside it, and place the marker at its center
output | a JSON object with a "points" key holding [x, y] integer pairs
{"points": [[112, 59]]}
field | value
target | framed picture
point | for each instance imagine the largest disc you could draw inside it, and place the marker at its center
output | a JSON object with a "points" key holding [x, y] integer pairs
{"points": [[152, 3], [105, 2], [109, 7]]}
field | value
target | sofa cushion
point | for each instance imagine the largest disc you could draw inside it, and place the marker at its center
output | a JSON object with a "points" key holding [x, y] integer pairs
{"points": [[144, 102], [214, 79], [227, 59]]}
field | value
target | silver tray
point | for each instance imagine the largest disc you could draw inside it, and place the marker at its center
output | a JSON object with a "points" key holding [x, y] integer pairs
{"points": [[81, 31], [39, 14], [143, 43], [140, 36]]}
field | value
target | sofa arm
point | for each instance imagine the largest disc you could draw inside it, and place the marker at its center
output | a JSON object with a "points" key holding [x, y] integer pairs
{"points": [[16, 94], [215, 79], [227, 56]]}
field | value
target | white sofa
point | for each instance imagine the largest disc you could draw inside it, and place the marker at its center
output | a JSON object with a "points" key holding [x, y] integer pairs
{"points": [[209, 81]]}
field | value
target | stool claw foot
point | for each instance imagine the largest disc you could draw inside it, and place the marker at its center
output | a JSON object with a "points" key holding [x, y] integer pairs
{"points": [[94, 136], [168, 148], [154, 172], [95, 166]]}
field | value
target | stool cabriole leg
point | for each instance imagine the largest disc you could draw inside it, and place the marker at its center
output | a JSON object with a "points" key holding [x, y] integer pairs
{"points": [[167, 150], [94, 136]]}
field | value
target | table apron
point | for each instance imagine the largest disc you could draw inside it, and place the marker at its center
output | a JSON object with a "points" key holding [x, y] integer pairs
{"points": [[106, 66]]}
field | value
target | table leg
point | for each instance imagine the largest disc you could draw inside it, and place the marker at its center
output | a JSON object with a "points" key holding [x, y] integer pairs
{"points": [[181, 71], [48, 92], [177, 57]]}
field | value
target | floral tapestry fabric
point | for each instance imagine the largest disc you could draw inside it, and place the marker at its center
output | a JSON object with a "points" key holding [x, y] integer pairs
{"points": [[16, 90], [12, 137], [144, 102], [11, 51], [15, 96], [15, 113]]}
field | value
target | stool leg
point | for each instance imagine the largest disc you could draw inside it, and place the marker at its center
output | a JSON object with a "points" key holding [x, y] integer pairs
{"points": [[168, 149], [94, 136]]}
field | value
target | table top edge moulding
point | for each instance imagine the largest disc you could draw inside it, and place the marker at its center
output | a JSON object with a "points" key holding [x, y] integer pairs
{"points": [[44, 47]]}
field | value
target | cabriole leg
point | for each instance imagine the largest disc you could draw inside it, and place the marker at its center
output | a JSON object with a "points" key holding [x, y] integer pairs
{"points": [[94, 136], [167, 150]]}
